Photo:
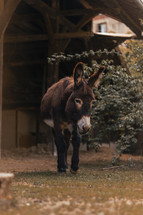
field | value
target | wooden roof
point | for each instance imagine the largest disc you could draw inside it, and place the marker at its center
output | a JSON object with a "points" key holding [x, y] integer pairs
{"points": [[69, 17], [34, 29], [56, 22]]}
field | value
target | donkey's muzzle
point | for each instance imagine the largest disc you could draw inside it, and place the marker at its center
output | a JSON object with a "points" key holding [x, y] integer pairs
{"points": [[84, 131], [84, 124]]}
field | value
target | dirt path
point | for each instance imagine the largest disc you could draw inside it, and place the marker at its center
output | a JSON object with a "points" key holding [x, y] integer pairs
{"points": [[26, 161]]}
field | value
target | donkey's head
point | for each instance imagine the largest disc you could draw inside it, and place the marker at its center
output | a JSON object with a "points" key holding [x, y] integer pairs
{"points": [[78, 106]]}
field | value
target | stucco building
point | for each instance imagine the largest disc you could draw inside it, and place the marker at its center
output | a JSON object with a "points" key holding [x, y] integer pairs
{"points": [[106, 24]]}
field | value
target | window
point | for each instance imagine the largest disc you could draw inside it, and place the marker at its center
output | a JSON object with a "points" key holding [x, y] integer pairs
{"points": [[102, 27]]}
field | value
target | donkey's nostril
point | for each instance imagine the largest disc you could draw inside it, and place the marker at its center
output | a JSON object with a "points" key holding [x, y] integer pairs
{"points": [[86, 128], [83, 128]]}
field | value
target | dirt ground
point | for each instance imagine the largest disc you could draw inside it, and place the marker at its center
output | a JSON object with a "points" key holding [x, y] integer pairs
{"points": [[31, 160], [99, 188]]}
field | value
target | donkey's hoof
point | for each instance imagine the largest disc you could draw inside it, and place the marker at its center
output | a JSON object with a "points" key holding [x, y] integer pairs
{"points": [[62, 171], [73, 171]]}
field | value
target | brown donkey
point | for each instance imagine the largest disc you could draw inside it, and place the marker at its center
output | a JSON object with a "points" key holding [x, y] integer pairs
{"points": [[66, 107]]}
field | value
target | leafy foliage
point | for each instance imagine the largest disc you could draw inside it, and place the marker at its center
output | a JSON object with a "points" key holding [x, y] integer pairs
{"points": [[62, 57], [117, 114], [133, 54]]}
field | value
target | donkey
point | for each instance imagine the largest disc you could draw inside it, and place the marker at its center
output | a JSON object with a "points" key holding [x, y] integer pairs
{"points": [[66, 107]]}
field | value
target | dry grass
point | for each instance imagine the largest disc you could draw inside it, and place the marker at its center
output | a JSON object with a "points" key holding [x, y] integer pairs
{"points": [[97, 189]]}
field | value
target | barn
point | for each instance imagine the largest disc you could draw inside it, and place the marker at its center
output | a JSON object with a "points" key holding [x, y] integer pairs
{"points": [[32, 30]]}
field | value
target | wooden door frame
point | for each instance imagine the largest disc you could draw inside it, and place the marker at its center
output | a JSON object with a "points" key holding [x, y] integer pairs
{"points": [[6, 12]]}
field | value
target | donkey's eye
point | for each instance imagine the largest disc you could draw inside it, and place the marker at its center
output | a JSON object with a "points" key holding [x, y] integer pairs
{"points": [[78, 101]]}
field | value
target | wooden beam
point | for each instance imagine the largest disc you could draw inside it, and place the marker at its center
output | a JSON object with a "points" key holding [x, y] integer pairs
{"points": [[25, 38], [73, 35], [68, 24], [84, 21], [7, 13], [49, 27], [45, 37], [42, 7], [16, 19], [46, 10], [26, 63], [88, 15], [1, 76], [1, 6], [56, 6], [80, 24], [80, 12], [85, 4]]}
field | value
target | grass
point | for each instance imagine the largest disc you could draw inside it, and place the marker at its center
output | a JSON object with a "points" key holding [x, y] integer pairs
{"points": [[91, 191]]}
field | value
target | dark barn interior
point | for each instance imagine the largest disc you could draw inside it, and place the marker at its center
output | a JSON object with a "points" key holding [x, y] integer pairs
{"points": [[32, 30]]}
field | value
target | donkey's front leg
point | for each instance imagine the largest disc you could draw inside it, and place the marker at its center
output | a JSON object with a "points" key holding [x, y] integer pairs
{"points": [[60, 144], [76, 145], [67, 136]]}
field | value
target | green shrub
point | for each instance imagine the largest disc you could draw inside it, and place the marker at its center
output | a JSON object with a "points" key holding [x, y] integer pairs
{"points": [[117, 114]]}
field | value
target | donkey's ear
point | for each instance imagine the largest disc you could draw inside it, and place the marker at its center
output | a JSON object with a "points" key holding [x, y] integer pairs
{"points": [[78, 74], [94, 80]]}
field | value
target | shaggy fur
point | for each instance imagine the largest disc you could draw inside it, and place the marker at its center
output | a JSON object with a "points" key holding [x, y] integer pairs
{"points": [[66, 107]]}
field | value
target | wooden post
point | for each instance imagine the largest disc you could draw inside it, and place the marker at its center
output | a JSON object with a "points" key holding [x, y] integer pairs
{"points": [[1, 74], [1, 6], [6, 14], [5, 182], [1, 77]]}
